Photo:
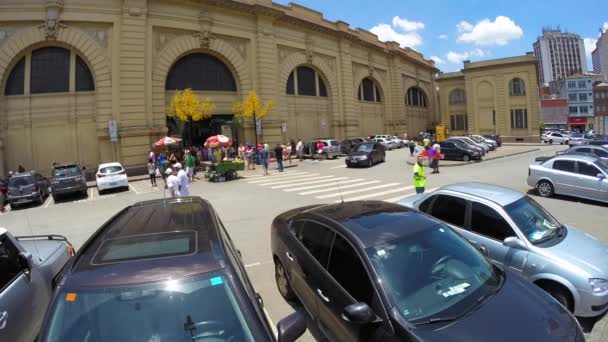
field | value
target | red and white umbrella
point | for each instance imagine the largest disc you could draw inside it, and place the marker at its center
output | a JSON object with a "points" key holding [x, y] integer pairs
{"points": [[166, 141], [218, 140]]}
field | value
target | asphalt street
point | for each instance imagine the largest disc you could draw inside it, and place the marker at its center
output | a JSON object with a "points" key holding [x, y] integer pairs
{"points": [[247, 206]]}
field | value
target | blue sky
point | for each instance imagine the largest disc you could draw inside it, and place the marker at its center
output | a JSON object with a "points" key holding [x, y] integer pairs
{"points": [[452, 31]]}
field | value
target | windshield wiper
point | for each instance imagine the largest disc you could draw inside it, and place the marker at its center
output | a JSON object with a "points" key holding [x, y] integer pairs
{"points": [[442, 319]]}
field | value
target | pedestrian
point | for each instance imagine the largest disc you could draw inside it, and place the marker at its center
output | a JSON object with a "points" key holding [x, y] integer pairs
{"points": [[286, 153], [152, 171], [241, 152], [264, 158], [419, 177], [166, 165], [430, 154], [412, 146], [182, 179], [150, 154], [278, 153], [320, 146], [250, 156], [20, 169], [217, 155], [300, 149], [292, 144], [190, 160], [426, 141], [436, 158], [172, 182]]}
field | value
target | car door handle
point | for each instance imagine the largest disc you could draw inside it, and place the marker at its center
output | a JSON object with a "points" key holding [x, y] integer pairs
{"points": [[320, 293], [289, 256], [3, 319]]}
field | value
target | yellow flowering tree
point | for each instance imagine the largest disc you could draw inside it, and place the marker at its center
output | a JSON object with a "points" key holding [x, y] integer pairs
{"points": [[187, 107], [252, 107]]}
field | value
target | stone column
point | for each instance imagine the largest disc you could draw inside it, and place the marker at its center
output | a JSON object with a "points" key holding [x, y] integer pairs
{"points": [[346, 93], [395, 98], [265, 76]]}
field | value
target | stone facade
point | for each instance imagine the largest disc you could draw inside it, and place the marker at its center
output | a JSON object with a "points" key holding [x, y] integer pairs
{"points": [[130, 47], [483, 99]]}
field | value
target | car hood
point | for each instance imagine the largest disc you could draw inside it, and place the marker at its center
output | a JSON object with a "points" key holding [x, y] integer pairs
{"points": [[582, 250], [357, 153], [519, 311]]}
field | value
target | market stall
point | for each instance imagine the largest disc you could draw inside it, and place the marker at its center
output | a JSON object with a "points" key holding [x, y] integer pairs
{"points": [[223, 168]]}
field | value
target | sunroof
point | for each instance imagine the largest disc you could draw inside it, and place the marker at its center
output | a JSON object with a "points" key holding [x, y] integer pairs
{"points": [[148, 246]]}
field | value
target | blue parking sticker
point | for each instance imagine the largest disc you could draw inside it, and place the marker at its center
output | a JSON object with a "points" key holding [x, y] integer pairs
{"points": [[216, 281]]}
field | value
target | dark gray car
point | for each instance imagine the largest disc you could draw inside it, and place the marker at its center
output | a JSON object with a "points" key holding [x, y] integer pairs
{"points": [[68, 179], [27, 187]]}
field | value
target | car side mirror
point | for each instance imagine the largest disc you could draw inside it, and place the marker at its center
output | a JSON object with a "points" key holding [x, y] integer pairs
{"points": [[514, 242], [601, 176], [358, 313], [291, 327], [25, 261]]}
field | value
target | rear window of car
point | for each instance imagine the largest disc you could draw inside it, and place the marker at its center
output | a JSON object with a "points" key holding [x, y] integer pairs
{"points": [[334, 143], [66, 171], [21, 181], [110, 169]]}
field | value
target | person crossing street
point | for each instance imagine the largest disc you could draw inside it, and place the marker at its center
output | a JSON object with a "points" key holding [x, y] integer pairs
{"points": [[278, 154], [419, 177]]}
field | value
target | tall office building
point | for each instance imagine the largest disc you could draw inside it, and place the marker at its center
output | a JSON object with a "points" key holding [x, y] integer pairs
{"points": [[599, 56], [560, 54]]}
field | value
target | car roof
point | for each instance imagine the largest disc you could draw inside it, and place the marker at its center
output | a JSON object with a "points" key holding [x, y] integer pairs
{"points": [[375, 222], [25, 174], [66, 165], [589, 157], [497, 194], [152, 241], [109, 164]]}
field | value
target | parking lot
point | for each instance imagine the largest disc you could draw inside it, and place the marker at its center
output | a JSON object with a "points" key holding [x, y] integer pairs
{"points": [[248, 205]]}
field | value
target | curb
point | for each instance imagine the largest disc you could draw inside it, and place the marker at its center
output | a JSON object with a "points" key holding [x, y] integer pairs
{"points": [[479, 161]]}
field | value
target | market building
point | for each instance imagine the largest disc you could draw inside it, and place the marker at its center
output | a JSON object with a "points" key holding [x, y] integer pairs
{"points": [[71, 69], [497, 96]]}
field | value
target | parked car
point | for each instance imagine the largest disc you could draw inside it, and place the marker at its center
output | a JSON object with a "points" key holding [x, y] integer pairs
{"points": [[470, 144], [470, 141], [161, 270], [454, 150], [111, 176], [599, 142], [600, 151], [494, 137], [519, 234], [27, 187], [383, 136], [556, 138], [29, 266], [68, 179], [3, 190], [398, 141], [578, 175], [331, 149], [376, 271], [366, 154], [388, 143], [576, 139], [481, 140], [347, 144]]}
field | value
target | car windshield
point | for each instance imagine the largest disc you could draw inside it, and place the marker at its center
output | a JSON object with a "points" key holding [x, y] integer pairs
{"points": [[185, 310], [66, 171], [21, 181], [334, 143], [364, 148], [433, 274], [533, 220], [110, 169]]}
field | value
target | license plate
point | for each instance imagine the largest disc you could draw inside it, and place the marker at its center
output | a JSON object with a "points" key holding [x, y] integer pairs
{"points": [[113, 184], [21, 200], [354, 161]]}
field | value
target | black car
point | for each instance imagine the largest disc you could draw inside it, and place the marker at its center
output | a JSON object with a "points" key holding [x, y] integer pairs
{"points": [[454, 150], [599, 142], [27, 187], [161, 270], [469, 144], [376, 271], [68, 179], [367, 154]]}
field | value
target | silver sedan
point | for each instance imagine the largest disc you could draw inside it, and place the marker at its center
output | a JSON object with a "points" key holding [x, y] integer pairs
{"points": [[578, 175], [515, 232]]}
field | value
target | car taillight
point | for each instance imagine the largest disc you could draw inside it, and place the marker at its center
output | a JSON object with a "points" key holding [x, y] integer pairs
{"points": [[99, 175], [34, 189], [71, 251]]}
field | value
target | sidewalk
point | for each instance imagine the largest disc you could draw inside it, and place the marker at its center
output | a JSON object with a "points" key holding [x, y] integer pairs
{"points": [[502, 152]]}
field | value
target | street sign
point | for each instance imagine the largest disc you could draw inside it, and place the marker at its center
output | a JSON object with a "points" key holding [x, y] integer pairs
{"points": [[113, 130]]}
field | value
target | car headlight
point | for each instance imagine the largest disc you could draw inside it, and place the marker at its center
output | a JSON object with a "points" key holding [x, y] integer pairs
{"points": [[598, 285], [363, 157]]}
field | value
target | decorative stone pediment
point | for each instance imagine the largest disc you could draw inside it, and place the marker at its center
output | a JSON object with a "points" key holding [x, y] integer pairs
{"points": [[52, 23]]}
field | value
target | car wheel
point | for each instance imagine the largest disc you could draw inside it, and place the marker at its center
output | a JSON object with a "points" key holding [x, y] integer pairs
{"points": [[55, 197], [545, 188], [280, 276], [466, 158], [348, 164], [85, 193], [566, 142], [561, 296]]}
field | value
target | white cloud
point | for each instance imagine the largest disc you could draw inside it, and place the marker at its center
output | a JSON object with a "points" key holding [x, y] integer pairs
{"points": [[459, 57], [437, 60], [605, 27], [407, 25], [487, 32], [589, 46], [402, 31], [443, 36]]}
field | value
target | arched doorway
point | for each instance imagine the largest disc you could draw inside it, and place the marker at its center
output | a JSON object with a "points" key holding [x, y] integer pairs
{"points": [[371, 106], [208, 77]]}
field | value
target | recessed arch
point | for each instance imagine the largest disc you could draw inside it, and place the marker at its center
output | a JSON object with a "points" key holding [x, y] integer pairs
{"points": [[306, 81], [369, 90], [416, 97], [200, 71], [457, 96]]}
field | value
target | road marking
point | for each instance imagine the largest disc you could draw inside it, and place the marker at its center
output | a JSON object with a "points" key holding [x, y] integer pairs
{"points": [[397, 199], [382, 193], [317, 181], [297, 181], [93, 193], [342, 193], [273, 173], [273, 181], [132, 187], [253, 264], [338, 167], [324, 185], [48, 201], [341, 188], [265, 180]]}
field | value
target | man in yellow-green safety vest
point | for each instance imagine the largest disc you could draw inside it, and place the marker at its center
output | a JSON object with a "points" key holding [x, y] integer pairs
{"points": [[419, 177]]}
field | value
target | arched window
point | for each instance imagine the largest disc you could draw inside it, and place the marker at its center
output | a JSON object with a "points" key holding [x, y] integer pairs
{"points": [[369, 91], [50, 73], [416, 97], [306, 81], [517, 87], [200, 71], [457, 96], [14, 83]]}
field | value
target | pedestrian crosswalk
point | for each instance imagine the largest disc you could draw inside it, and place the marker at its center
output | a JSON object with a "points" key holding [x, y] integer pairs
{"points": [[333, 188]]}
